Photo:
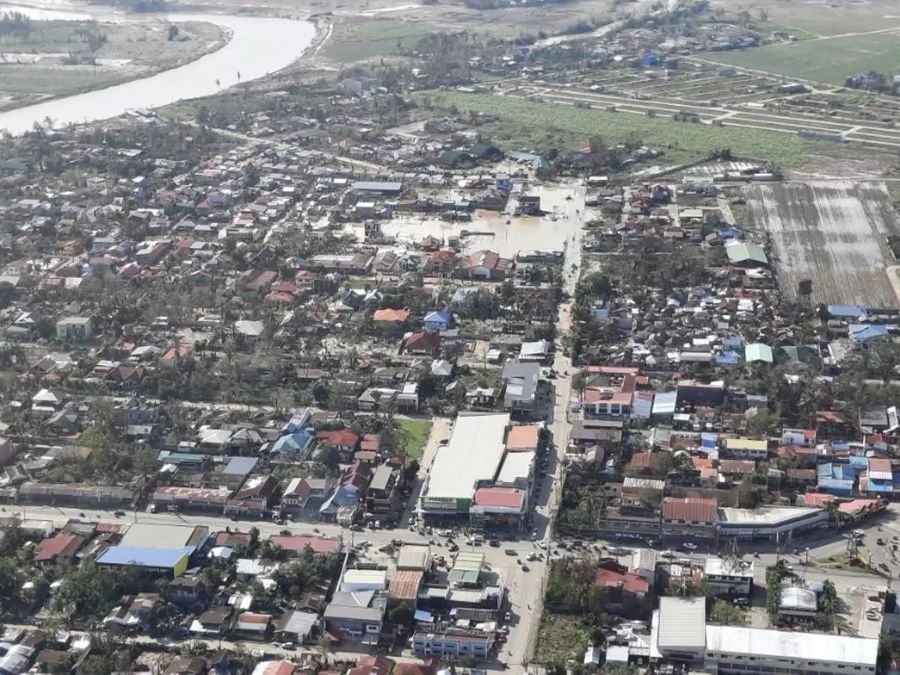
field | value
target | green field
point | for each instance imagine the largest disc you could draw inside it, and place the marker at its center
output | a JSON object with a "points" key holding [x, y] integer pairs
{"points": [[561, 638], [415, 433], [379, 37], [827, 17], [830, 60], [528, 125]]}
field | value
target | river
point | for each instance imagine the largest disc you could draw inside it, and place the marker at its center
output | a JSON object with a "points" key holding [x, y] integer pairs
{"points": [[258, 46]]}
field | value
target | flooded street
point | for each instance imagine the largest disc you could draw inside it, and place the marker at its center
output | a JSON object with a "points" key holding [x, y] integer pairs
{"points": [[258, 47]]}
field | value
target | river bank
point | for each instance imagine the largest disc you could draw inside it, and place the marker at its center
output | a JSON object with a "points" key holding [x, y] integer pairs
{"points": [[55, 58], [258, 47]]}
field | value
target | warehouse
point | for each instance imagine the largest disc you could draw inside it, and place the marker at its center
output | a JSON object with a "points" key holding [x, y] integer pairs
{"points": [[146, 535], [170, 562], [471, 458], [736, 649]]}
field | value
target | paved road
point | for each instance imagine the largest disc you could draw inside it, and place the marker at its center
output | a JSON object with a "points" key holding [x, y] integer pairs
{"points": [[527, 598]]}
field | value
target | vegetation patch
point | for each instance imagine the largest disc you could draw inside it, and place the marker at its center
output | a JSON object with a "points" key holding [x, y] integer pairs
{"points": [[519, 120], [847, 56], [414, 435]]}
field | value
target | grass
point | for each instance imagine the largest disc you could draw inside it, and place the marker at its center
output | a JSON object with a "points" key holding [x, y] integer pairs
{"points": [[561, 638], [416, 434], [379, 37], [525, 125], [835, 17], [830, 61]]}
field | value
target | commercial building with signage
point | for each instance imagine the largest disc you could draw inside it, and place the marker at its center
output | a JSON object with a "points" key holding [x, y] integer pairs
{"points": [[470, 460]]}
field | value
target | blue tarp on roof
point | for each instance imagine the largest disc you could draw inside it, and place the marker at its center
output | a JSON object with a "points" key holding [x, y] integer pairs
{"points": [[139, 556], [840, 445], [729, 359], [709, 440], [835, 486], [862, 332], [859, 461], [880, 485], [846, 311]]}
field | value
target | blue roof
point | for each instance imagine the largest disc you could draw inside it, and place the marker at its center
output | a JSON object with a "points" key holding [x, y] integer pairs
{"points": [[298, 421], [138, 556], [438, 315], [859, 461], [846, 311], [861, 332], [299, 442], [709, 440], [835, 485]]}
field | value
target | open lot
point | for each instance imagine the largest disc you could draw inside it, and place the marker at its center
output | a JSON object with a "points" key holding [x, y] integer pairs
{"points": [[377, 37], [823, 17], [416, 435], [832, 233], [806, 60]]}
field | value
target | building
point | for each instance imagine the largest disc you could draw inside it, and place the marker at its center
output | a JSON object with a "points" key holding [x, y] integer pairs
{"points": [[169, 562], [452, 643], [296, 626], [499, 508], [62, 546], [520, 386], [689, 517], [728, 576], [74, 329], [80, 495], [797, 602], [774, 523], [733, 649], [144, 535], [471, 458], [679, 629], [359, 616], [173, 498], [523, 438]]}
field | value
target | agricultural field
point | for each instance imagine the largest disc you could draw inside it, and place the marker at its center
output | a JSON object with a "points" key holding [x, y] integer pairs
{"points": [[524, 124], [378, 37], [833, 234], [827, 60]]}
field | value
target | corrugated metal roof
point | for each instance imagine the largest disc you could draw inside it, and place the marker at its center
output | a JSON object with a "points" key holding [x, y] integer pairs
{"points": [[682, 623]]}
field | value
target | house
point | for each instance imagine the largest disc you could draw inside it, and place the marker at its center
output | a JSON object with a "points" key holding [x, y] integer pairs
{"points": [[301, 491], [214, 621], [358, 615], [730, 577], [60, 547], [74, 329], [486, 265], [387, 316], [523, 438], [293, 545], [296, 626], [382, 492], [253, 625], [438, 321], [345, 441], [131, 612], [424, 344], [253, 499]]}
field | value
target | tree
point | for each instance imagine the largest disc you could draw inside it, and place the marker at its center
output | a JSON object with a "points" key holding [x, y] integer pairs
{"points": [[173, 32], [726, 613], [401, 615]]}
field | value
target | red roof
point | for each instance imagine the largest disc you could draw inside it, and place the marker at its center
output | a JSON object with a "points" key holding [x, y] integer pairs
{"points": [[880, 464], [339, 437], [612, 579], [63, 545], [693, 509], [423, 342], [702, 462], [818, 499], [509, 498], [391, 315], [296, 543], [641, 460], [373, 665]]}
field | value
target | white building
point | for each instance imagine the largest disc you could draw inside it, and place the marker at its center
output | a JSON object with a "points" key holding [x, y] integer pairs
{"points": [[733, 649], [728, 576], [774, 523]]}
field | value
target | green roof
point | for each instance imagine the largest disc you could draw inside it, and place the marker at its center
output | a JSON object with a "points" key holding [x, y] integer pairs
{"points": [[757, 351]]}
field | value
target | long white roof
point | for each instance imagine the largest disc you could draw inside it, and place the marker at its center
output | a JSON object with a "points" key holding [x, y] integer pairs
{"points": [[474, 453], [789, 645]]}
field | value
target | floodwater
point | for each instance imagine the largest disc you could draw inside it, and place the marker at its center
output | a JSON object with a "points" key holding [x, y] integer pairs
{"points": [[494, 231], [258, 47]]}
